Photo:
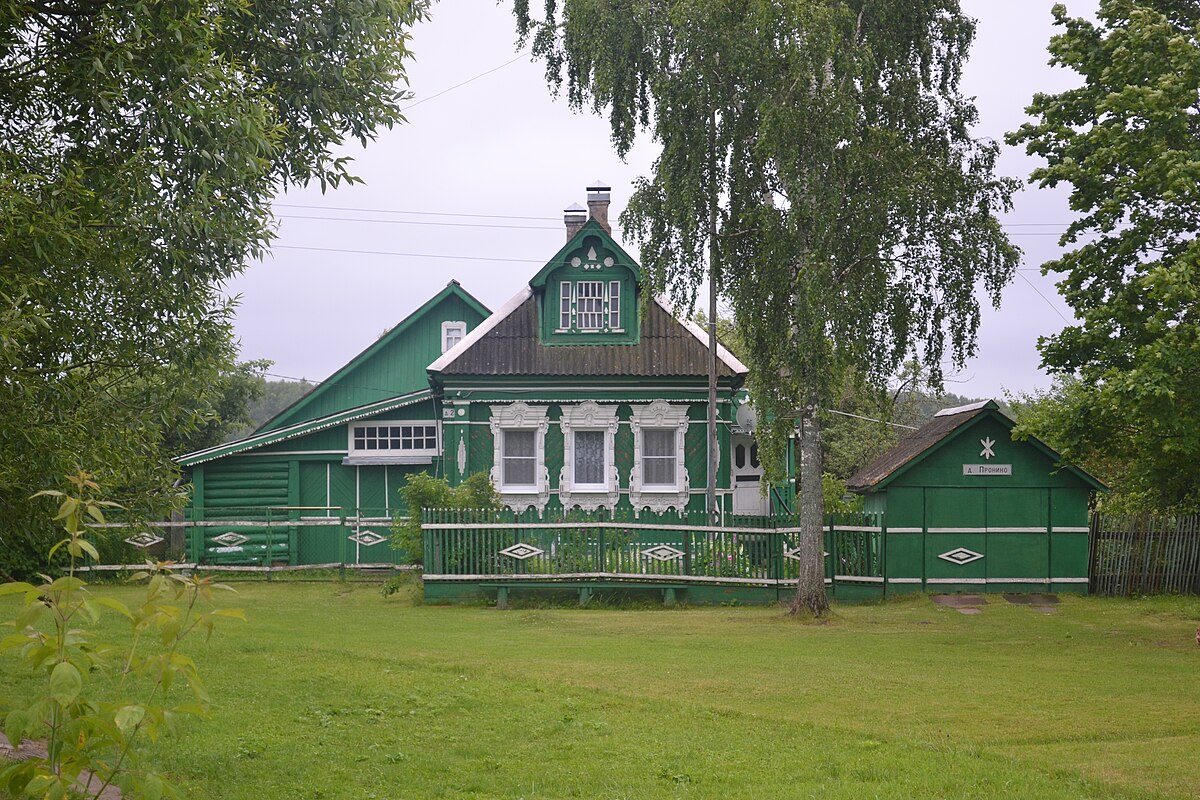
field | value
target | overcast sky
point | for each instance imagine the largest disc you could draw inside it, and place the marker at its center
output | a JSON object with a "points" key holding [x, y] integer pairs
{"points": [[473, 186]]}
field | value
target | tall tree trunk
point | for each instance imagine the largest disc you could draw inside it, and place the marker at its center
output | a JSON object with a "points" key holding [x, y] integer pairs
{"points": [[810, 591], [711, 489]]}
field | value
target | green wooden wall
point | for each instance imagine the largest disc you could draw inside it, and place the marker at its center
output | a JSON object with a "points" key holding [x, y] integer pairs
{"points": [[473, 430], [1021, 532], [393, 366]]}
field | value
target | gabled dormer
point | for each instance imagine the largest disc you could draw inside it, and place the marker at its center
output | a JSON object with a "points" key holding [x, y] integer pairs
{"points": [[588, 292]]}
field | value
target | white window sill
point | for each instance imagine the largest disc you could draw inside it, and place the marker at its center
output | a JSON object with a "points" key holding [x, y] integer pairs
{"points": [[351, 461], [518, 490]]}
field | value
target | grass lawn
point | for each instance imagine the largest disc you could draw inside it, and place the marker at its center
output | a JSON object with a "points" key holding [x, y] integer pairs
{"points": [[332, 691]]}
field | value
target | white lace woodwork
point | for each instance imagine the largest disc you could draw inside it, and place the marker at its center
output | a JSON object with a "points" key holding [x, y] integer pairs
{"points": [[523, 489], [649, 480], [588, 418]]}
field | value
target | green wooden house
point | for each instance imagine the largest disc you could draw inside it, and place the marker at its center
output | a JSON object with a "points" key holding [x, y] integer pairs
{"points": [[335, 458], [578, 393], [965, 507]]}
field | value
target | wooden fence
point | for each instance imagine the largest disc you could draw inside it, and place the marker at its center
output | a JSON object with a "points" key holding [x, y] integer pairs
{"points": [[1142, 555], [472, 545]]}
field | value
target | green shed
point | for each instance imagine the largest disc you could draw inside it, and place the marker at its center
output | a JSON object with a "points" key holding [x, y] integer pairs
{"points": [[967, 508]]}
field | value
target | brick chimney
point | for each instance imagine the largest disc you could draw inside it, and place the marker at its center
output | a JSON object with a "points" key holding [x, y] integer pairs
{"points": [[574, 216], [598, 197]]}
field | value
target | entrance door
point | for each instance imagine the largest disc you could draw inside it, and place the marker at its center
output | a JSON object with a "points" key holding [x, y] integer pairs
{"points": [[747, 478]]}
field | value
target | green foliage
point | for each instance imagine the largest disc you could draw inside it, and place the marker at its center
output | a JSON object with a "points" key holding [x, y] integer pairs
{"points": [[1128, 143], [222, 410], [142, 145], [270, 398], [722, 562], [422, 491], [96, 741], [838, 499]]}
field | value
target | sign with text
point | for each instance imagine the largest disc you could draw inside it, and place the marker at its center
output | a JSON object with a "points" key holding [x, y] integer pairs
{"points": [[987, 469]]}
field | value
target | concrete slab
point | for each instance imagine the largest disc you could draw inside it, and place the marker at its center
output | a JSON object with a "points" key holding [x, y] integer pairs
{"points": [[969, 610]]}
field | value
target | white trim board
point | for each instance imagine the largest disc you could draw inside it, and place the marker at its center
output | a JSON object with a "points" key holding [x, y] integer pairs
{"points": [[447, 358], [701, 335]]}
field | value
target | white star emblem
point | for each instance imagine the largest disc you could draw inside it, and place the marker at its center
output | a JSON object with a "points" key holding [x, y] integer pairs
{"points": [[987, 447]]}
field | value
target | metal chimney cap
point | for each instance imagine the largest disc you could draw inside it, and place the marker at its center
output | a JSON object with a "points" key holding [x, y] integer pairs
{"points": [[599, 186], [574, 208]]}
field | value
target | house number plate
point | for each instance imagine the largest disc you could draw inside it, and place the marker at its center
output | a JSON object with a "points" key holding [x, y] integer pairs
{"points": [[987, 469]]}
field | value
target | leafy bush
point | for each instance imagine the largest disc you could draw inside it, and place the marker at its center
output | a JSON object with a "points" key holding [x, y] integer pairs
{"points": [[92, 741], [422, 491]]}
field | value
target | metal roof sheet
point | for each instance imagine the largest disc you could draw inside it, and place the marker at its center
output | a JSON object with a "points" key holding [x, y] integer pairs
{"points": [[916, 443], [301, 428], [512, 346]]}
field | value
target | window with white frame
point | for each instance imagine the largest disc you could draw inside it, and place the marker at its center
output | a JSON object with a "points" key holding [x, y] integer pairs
{"points": [[519, 470], [587, 461], [589, 306], [659, 479], [659, 458], [383, 438], [452, 333], [518, 459], [589, 473]]}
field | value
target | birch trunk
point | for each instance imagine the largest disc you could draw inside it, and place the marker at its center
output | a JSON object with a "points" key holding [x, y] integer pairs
{"points": [[810, 590]]}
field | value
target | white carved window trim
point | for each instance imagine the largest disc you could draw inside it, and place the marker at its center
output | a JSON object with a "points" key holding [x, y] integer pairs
{"points": [[656, 416], [589, 416], [601, 305], [457, 327], [517, 417]]}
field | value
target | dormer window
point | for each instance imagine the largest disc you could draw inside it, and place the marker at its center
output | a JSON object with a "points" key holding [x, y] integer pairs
{"points": [[589, 306], [452, 334]]}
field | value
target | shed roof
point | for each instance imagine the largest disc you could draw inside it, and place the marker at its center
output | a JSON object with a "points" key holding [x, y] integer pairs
{"points": [[301, 428], [509, 344], [923, 441]]}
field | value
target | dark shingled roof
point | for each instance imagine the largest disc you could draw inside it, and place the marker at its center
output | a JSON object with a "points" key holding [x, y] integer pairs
{"points": [[914, 445], [514, 347]]}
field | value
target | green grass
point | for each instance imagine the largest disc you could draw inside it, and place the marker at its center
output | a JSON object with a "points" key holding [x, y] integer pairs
{"points": [[332, 691]]}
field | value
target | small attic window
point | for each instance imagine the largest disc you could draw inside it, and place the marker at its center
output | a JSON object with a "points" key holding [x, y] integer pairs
{"points": [[589, 306], [452, 333]]}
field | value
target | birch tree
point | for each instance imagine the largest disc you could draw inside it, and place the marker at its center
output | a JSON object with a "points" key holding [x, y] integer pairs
{"points": [[818, 163]]}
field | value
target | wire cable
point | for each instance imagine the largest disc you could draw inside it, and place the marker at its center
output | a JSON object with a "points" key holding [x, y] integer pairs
{"points": [[421, 213], [405, 255], [1047, 299], [423, 222], [464, 83]]}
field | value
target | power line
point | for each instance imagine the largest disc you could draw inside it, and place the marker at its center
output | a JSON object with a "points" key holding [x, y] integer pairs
{"points": [[464, 83], [492, 225], [871, 419], [406, 255], [421, 213], [1047, 299], [423, 222], [379, 389]]}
